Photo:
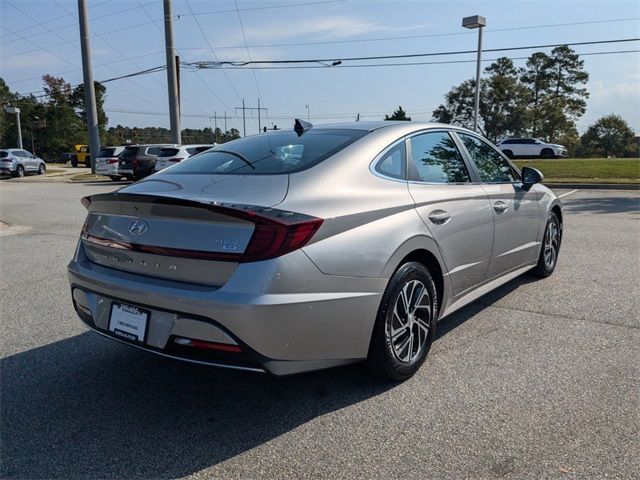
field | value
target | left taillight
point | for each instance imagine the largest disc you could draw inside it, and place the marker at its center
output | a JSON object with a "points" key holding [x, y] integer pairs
{"points": [[112, 160], [177, 159]]}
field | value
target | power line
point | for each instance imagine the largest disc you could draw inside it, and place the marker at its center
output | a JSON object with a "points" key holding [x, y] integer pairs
{"points": [[268, 7], [444, 62], [409, 55], [409, 37], [253, 73], [210, 47], [74, 24], [59, 36]]}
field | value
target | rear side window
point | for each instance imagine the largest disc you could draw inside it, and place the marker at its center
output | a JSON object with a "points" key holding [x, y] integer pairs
{"points": [[4, 154], [106, 152], [436, 159], [271, 153], [393, 162], [153, 150], [130, 152], [492, 167], [168, 152]]}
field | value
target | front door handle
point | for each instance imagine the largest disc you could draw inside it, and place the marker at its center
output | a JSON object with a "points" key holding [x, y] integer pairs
{"points": [[439, 217], [500, 206]]}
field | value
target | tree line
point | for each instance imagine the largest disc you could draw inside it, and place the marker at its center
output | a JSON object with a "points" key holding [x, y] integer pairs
{"points": [[543, 99], [55, 120]]}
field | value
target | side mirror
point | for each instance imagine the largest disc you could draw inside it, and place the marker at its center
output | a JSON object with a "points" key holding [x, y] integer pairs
{"points": [[531, 176]]}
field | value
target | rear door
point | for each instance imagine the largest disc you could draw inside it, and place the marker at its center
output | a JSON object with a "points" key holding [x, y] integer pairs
{"points": [[453, 205], [515, 210]]}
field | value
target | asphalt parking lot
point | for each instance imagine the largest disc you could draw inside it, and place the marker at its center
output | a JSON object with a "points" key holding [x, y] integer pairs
{"points": [[540, 379]]}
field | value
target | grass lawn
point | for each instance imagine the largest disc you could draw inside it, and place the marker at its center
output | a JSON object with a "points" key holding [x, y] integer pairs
{"points": [[587, 170]]}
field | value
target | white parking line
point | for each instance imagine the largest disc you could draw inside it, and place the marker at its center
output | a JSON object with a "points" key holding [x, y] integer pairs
{"points": [[568, 193]]}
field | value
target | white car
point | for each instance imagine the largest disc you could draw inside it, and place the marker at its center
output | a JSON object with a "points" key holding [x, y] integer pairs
{"points": [[171, 155], [107, 162], [531, 147]]}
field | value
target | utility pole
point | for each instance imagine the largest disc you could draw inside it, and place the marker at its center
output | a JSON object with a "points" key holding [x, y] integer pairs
{"points": [[172, 74], [244, 109], [16, 110], [89, 90], [225, 126]]}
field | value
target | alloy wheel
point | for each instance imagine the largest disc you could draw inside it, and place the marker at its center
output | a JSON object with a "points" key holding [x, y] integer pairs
{"points": [[551, 244], [409, 326]]}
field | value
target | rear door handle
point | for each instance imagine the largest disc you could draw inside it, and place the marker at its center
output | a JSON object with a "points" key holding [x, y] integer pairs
{"points": [[439, 217], [500, 206]]}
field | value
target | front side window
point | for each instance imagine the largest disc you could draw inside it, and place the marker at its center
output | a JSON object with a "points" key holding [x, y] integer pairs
{"points": [[392, 163], [271, 153], [437, 160], [492, 167]]}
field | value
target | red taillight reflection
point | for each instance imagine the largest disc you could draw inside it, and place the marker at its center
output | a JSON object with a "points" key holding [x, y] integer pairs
{"points": [[112, 160]]}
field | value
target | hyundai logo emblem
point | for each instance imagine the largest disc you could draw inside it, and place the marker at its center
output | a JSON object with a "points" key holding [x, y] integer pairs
{"points": [[139, 227]]}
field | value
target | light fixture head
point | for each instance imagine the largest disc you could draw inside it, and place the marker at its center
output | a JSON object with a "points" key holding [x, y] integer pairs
{"points": [[475, 21]]}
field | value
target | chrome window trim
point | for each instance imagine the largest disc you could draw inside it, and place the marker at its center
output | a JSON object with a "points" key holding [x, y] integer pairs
{"points": [[460, 151], [378, 158], [500, 152]]}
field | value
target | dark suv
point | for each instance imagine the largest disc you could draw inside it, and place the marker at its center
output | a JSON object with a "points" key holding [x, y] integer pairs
{"points": [[137, 161]]}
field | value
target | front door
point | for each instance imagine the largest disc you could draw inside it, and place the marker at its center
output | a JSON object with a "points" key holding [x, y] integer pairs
{"points": [[456, 211], [515, 210]]}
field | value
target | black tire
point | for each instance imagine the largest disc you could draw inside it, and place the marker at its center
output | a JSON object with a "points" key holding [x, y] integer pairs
{"points": [[115, 178], [545, 267], [508, 153], [385, 352], [547, 153], [42, 169], [20, 171]]}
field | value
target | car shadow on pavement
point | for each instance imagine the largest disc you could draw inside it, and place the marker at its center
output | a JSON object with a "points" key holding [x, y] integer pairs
{"points": [[597, 205], [85, 407]]}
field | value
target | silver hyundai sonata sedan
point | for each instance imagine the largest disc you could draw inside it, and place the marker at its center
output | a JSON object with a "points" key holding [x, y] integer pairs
{"points": [[319, 246]]}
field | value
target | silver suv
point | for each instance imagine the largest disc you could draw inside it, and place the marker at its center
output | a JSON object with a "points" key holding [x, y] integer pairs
{"points": [[16, 162], [171, 155]]}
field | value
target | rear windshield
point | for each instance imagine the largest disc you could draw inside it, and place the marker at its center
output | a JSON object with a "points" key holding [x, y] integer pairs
{"points": [[130, 152], [3, 154], [168, 152], [194, 150], [270, 153], [107, 152]]}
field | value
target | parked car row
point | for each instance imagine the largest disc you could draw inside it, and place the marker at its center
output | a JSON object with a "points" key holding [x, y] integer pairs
{"points": [[530, 148], [134, 162], [16, 162]]}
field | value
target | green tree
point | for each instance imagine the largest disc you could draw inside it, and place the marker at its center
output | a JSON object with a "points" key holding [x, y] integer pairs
{"points": [[536, 78], [77, 100], [565, 100], [398, 114], [609, 136], [503, 106], [457, 108]]}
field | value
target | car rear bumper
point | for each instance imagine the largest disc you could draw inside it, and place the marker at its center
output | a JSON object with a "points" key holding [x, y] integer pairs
{"points": [[280, 333]]}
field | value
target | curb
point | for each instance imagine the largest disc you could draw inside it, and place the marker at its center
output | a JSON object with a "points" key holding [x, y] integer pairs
{"points": [[595, 186]]}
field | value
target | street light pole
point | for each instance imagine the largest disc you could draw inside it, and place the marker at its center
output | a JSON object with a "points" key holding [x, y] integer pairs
{"points": [[16, 110], [476, 22]]}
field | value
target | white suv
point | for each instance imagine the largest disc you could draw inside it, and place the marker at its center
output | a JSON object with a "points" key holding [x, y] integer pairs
{"points": [[531, 147]]}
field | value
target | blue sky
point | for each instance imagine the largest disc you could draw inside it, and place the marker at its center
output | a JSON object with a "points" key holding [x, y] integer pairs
{"points": [[39, 37]]}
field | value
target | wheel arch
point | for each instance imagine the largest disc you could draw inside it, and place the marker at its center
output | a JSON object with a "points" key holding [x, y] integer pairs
{"points": [[425, 251]]}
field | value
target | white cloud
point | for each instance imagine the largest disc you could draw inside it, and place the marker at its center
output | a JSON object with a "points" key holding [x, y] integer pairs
{"points": [[324, 28], [35, 60], [621, 97]]}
